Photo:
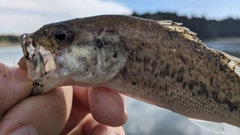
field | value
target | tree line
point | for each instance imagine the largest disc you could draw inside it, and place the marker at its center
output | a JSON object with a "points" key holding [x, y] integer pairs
{"points": [[205, 29], [9, 38]]}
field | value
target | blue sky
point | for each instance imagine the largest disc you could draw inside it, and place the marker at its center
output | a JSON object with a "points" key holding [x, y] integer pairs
{"points": [[26, 16], [216, 9]]}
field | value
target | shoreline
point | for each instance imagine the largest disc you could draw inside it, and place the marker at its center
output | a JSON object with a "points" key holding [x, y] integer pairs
{"points": [[9, 44], [227, 39]]}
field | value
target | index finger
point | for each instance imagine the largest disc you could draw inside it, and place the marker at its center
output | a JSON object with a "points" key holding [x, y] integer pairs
{"points": [[14, 87]]}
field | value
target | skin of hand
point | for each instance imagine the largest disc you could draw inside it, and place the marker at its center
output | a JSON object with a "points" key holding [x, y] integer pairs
{"points": [[65, 110]]}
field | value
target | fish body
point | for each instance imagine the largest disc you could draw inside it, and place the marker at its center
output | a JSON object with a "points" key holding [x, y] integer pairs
{"points": [[158, 62]]}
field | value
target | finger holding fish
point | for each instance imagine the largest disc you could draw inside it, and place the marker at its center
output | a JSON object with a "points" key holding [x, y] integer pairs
{"points": [[15, 86], [50, 112], [97, 111], [39, 115]]}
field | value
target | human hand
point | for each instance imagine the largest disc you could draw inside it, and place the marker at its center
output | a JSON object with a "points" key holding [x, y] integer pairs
{"points": [[65, 110]]}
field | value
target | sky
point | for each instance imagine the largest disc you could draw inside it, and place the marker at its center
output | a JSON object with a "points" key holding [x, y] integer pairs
{"points": [[216, 9], [18, 17]]}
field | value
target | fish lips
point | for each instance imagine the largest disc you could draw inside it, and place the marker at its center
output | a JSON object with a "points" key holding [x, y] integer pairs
{"points": [[34, 59], [26, 41], [39, 61]]}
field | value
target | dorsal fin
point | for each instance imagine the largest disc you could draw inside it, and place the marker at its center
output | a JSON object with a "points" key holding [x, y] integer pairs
{"points": [[233, 63], [176, 26], [168, 22]]}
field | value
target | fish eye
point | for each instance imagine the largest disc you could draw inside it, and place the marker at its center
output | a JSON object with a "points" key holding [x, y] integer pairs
{"points": [[60, 35]]}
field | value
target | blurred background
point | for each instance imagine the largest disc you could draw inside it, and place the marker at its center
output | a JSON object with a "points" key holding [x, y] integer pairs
{"points": [[216, 22]]}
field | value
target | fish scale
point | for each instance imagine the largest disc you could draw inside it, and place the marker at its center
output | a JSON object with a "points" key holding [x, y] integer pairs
{"points": [[158, 62]]}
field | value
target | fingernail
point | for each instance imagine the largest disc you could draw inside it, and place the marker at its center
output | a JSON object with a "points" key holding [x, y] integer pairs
{"points": [[25, 130]]}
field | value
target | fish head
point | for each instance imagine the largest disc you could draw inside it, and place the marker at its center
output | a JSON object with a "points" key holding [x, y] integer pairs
{"points": [[72, 52]]}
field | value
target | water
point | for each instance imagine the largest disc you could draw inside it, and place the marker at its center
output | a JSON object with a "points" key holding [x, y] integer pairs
{"points": [[10, 55], [145, 119], [231, 47]]}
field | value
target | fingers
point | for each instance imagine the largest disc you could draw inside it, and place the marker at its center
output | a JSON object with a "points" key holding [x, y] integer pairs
{"points": [[80, 109], [81, 122], [96, 128], [15, 86], [22, 64], [89, 126], [107, 106], [42, 114]]}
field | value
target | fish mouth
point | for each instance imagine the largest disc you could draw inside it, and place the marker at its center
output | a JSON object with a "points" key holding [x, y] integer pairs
{"points": [[34, 59], [39, 61]]}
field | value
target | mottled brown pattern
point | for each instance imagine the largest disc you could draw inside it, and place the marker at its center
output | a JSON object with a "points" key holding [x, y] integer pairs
{"points": [[178, 72], [166, 65]]}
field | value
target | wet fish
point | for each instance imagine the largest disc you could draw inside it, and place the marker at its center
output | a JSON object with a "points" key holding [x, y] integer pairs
{"points": [[158, 62]]}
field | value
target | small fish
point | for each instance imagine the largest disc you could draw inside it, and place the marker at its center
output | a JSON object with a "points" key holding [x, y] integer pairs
{"points": [[158, 62]]}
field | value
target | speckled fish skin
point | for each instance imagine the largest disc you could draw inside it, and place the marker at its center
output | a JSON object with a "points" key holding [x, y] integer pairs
{"points": [[160, 63]]}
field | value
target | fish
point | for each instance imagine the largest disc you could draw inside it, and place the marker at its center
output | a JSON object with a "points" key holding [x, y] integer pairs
{"points": [[158, 62]]}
